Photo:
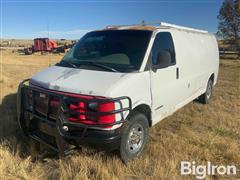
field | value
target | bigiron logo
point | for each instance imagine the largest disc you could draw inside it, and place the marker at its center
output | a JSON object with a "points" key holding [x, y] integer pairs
{"points": [[201, 171]]}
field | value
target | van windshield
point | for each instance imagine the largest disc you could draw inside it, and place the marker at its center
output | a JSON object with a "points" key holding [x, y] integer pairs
{"points": [[109, 50]]}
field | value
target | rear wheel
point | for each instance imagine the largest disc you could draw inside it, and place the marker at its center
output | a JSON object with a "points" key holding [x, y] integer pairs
{"points": [[134, 137], [205, 98]]}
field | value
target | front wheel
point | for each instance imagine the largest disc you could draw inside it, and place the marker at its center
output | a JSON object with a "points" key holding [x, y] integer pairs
{"points": [[205, 98], [134, 137]]}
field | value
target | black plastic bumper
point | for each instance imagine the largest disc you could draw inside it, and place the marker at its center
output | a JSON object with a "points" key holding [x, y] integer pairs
{"points": [[58, 134], [57, 140]]}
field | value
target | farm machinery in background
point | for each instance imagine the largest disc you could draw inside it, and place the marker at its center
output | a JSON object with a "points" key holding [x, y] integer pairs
{"points": [[45, 45]]}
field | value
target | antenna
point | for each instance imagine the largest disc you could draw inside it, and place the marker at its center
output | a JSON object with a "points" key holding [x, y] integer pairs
{"points": [[49, 56], [48, 29]]}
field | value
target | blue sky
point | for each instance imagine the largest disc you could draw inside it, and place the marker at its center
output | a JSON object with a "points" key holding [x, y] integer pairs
{"points": [[71, 19]]}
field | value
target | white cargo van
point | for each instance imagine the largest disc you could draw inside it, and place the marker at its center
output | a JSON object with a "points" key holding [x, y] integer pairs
{"points": [[114, 84]]}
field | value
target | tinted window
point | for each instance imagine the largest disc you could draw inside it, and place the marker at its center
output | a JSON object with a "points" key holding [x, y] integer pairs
{"points": [[163, 41], [123, 50]]}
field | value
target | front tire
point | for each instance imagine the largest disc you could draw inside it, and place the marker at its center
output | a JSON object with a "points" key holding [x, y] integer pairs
{"points": [[205, 98], [134, 137]]}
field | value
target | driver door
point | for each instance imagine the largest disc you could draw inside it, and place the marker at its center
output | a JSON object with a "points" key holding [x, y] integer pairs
{"points": [[165, 81]]}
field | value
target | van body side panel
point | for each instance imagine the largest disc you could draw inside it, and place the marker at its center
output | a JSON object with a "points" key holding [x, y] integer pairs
{"points": [[188, 53], [197, 58], [211, 64]]}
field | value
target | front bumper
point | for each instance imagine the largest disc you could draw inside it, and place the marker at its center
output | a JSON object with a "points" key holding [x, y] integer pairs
{"points": [[59, 133]]}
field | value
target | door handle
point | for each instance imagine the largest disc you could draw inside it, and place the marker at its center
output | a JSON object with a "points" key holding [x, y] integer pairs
{"points": [[177, 73]]}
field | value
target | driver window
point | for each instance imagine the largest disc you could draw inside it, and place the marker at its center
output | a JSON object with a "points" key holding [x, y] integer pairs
{"points": [[163, 41]]}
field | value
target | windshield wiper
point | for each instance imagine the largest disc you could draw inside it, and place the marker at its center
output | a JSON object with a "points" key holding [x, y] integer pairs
{"points": [[101, 66], [69, 63]]}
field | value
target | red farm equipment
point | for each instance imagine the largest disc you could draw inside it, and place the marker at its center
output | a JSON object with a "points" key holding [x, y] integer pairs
{"points": [[44, 44], [41, 45]]}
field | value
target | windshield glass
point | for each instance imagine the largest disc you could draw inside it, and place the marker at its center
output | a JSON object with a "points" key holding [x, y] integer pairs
{"points": [[110, 50]]}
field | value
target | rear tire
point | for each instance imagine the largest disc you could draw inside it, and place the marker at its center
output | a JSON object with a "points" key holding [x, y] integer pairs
{"points": [[205, 98], [134, 137]]}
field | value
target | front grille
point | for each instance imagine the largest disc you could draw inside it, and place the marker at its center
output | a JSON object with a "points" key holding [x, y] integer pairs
{"points": [[47, 105], [40, 103], [43, 105]]}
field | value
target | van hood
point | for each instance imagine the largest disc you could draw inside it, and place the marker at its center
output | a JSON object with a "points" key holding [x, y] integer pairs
{"points": [[80, 81]]}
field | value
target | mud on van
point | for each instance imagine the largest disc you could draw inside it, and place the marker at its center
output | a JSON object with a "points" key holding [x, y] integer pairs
{"points": [[115, 84]]}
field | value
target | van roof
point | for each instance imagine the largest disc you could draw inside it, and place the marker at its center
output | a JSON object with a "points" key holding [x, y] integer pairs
{"points": [[153, 27]]}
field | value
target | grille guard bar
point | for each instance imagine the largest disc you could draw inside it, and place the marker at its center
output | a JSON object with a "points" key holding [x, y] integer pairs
{"points": [[63, 109]]}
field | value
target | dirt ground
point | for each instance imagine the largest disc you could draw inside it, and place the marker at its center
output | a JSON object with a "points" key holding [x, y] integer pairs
{"points": [[196, 132]]}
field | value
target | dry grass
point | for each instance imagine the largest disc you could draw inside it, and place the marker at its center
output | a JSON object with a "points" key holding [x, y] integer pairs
{"points": [[195, 133]]}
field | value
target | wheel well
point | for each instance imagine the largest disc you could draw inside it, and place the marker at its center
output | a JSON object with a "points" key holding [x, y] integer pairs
{"points": [[146, 110], [212, 77]]}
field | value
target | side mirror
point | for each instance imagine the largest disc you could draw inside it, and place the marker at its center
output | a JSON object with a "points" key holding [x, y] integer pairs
{"points": [[163, 60]]}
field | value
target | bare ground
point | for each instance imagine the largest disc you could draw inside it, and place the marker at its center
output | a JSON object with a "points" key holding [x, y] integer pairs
{"points": [[196, 132]]}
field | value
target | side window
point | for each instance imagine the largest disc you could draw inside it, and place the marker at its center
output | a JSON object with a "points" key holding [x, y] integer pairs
{"points": [[163, 41]]}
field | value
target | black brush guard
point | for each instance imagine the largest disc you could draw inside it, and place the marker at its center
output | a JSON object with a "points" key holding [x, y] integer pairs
{"points": [[58, 133]]}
